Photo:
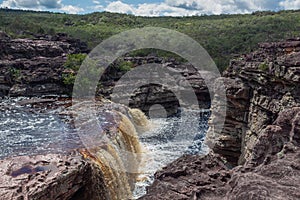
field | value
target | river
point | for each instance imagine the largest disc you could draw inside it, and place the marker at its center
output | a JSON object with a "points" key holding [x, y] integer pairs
{"points": [[23, 131]]}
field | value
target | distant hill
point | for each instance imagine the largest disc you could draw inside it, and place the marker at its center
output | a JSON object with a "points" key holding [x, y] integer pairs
{"points": [[223, 36]]}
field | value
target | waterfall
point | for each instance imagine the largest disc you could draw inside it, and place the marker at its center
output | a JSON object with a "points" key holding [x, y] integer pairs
{"points": [[119, 157], [124, 153]]}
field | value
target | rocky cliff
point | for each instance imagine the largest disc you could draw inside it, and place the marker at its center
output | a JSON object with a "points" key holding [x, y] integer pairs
{"points": [[34, 67], [256, 155], [259, 86], [146, 95]]}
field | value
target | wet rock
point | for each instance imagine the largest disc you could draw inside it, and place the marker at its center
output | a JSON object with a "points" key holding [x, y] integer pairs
{"points": [[95, 169]]}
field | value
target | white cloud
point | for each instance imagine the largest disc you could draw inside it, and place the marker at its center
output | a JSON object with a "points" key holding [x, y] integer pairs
{"points": [[192, 7], [290, 4], [161, 9], [224, 6], [148, 9], [41, 5], [120, 7], [96, 2], [32, 4], [164, 8], [71, 9]]}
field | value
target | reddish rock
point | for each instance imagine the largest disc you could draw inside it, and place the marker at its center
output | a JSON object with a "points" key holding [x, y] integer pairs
{"points": [[272, 173], [261, 132], [49, 177], [34, 67]]}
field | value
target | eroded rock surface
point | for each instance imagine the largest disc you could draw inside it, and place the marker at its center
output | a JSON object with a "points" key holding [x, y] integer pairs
{"points": [[166, 82], [273, 172], [94, 170], [50, 177], [258, 86], [261, 134], [34, 67]]}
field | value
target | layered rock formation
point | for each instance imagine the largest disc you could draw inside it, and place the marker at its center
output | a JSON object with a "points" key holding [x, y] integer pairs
{"points": [[261, 133], [144, 95], [272, 172], [259, 86], [34, 67]]}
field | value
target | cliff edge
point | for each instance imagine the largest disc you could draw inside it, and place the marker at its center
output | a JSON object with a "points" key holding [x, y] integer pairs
{"points": [[256, 155]]}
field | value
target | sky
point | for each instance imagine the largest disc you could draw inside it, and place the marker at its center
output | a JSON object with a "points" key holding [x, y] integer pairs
{"points": [[154, 7]]}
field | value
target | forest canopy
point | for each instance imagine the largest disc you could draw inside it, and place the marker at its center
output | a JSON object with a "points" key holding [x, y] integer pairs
{"points": [[223, 36]]}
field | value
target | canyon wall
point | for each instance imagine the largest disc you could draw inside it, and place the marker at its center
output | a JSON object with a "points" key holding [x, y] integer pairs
{"points": [[259, 86], [256, 155], [147, 95]]}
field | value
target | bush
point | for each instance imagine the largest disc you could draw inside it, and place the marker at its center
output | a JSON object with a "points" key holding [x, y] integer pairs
{"points": [[263, 67], [15, 73], [125, 66], [73, 63]]}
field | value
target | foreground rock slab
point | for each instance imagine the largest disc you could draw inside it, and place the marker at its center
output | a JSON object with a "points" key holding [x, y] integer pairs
{"points": [[49, 177]]}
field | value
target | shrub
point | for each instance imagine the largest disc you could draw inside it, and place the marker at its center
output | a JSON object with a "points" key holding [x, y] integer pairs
{"points": [[73, 62], [263, 67], [15, 73], [125, 66]]}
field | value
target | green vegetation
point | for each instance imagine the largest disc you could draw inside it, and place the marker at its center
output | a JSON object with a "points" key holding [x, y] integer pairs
{"points": [[15, 73], [125, 66], [73, 63], [264, 66], [88, 74], [223, 36]]}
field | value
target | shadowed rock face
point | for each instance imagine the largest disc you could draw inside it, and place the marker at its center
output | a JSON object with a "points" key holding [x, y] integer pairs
{"points": [[145, 96], [273, 172], [261, 133]]}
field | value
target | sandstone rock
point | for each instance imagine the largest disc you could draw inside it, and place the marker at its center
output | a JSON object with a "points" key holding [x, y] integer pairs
{"points": [[96, 169], [147, 95], [190, 177], [228, 140], [270, 76], [272, 173], [48, 177], [34, 67], [261, 131]]}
